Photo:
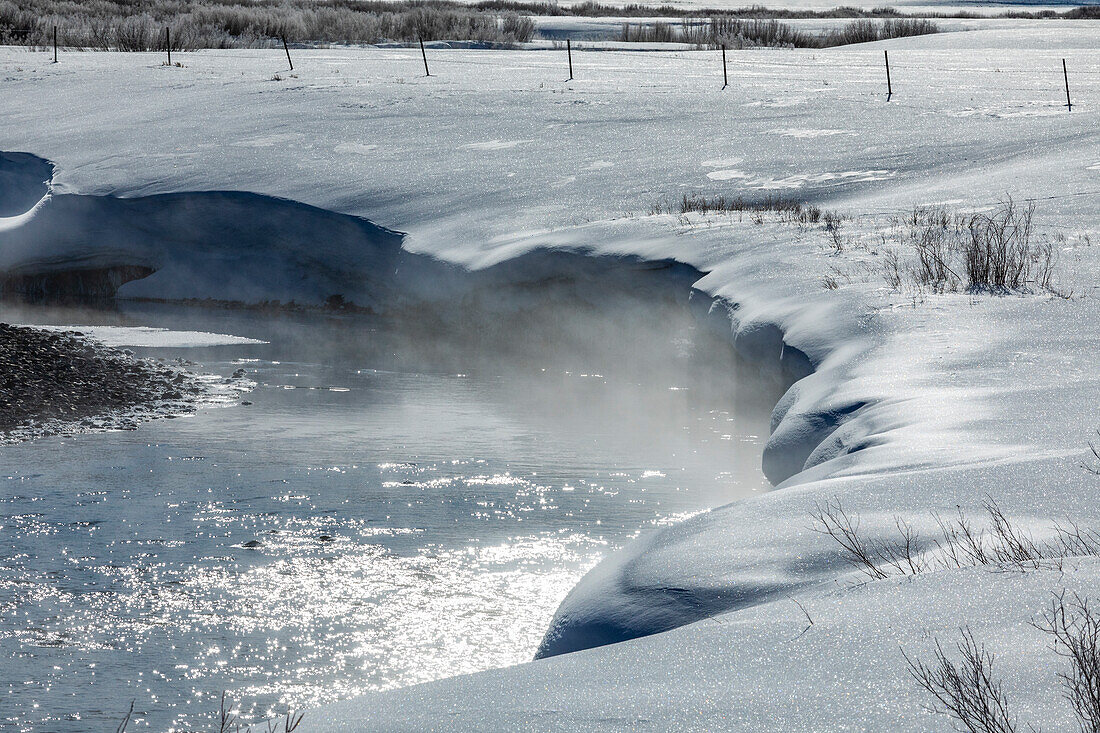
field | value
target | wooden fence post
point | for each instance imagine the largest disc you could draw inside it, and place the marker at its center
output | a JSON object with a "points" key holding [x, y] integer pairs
{"points": [[725, 74], [1065, 75], [55, 44], [569, 51], [889, 86], [425, 57], [287, 49], [168, 43]]}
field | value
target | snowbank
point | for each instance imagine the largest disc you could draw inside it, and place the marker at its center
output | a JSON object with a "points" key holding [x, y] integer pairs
{"points": [[231, 246], [765, 668]]}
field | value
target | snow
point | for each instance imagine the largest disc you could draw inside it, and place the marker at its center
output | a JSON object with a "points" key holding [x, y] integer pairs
{"points": [[904, 403], [761, 669], [147, 336]]}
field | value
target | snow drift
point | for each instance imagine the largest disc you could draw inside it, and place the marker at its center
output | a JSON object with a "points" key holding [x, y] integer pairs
{"points": [[222, 245]]}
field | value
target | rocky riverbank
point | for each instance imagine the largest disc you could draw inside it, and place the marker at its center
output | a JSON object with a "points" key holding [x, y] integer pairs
{"points": [[55, 383]]}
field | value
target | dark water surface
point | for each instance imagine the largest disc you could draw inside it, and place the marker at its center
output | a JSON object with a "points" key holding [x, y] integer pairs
{"points": [[390, 509]]}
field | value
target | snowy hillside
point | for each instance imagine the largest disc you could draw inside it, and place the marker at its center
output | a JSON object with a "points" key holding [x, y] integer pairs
{"points": [[906, 402]]}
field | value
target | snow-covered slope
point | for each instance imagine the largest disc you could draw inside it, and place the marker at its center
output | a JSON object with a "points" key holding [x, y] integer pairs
{"points": [[220, 244], [24, 182], [766, 668], [906, 403]]}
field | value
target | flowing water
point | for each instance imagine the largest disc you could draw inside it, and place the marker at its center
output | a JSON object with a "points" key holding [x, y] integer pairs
{"points": [[389, 509]]}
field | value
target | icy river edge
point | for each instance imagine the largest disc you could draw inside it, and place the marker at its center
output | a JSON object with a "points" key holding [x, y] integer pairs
{"points": [[963, 396]]}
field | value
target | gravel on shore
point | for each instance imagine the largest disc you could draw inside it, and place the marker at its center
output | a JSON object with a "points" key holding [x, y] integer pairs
{"points": [[56, 382]]}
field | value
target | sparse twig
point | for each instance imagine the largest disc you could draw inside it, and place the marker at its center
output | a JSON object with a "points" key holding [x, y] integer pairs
{"points": [[966, 690], [1095, 470], [226, 718], [831, 519], [230, 723], [959, 543], [125, 721], [810, 621], [1075, 627]]}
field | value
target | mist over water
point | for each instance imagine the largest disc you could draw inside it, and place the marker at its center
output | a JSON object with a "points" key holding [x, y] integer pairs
{"points": [[403, 500]]}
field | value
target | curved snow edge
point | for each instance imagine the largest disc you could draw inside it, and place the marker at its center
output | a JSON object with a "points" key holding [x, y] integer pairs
{"points": [[639, 590], [26, 185]]}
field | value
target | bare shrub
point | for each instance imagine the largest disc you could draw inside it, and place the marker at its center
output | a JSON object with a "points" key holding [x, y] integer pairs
{"points": [[1095, 449], [1075, 628], [737, 33], [697, 31], [644, 33], [933, 233], [517, 28], [967, 690], [139, 26], [867, 31], [833, 223], [892, 269], [228, 722], [135, 33], [720, 31], [994, 252], [1003, 254], [957, 543], [877, 559]]}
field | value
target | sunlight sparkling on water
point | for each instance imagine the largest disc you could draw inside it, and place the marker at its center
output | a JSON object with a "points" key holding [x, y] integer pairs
{"points": [[292, 608], [350, 529], [317, 611]]}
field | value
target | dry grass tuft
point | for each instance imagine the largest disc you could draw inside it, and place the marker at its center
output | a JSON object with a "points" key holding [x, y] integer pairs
{"points": [[996, 252], [789, 210]]}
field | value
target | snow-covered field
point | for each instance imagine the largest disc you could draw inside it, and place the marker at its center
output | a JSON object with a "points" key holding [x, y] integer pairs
{"points": [[917, 402], [595, 32]]}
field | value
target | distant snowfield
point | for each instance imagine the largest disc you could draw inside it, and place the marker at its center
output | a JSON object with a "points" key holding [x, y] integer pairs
{"points": [[915, 404], [601, 32], [979, 7]]}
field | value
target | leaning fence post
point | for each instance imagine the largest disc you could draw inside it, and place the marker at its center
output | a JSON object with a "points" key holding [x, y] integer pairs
{"points": [[425, 57], [889, 86], [168, 43], [725, 74], [1065, 75], [287, 49], [55, 44], [569, 51]]}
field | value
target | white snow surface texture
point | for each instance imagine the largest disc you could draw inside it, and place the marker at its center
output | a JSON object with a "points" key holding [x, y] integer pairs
{"points": [[908, 403]]}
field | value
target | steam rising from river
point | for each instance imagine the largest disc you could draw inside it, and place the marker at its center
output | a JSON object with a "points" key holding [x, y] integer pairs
{"points": [[405, 500]]}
